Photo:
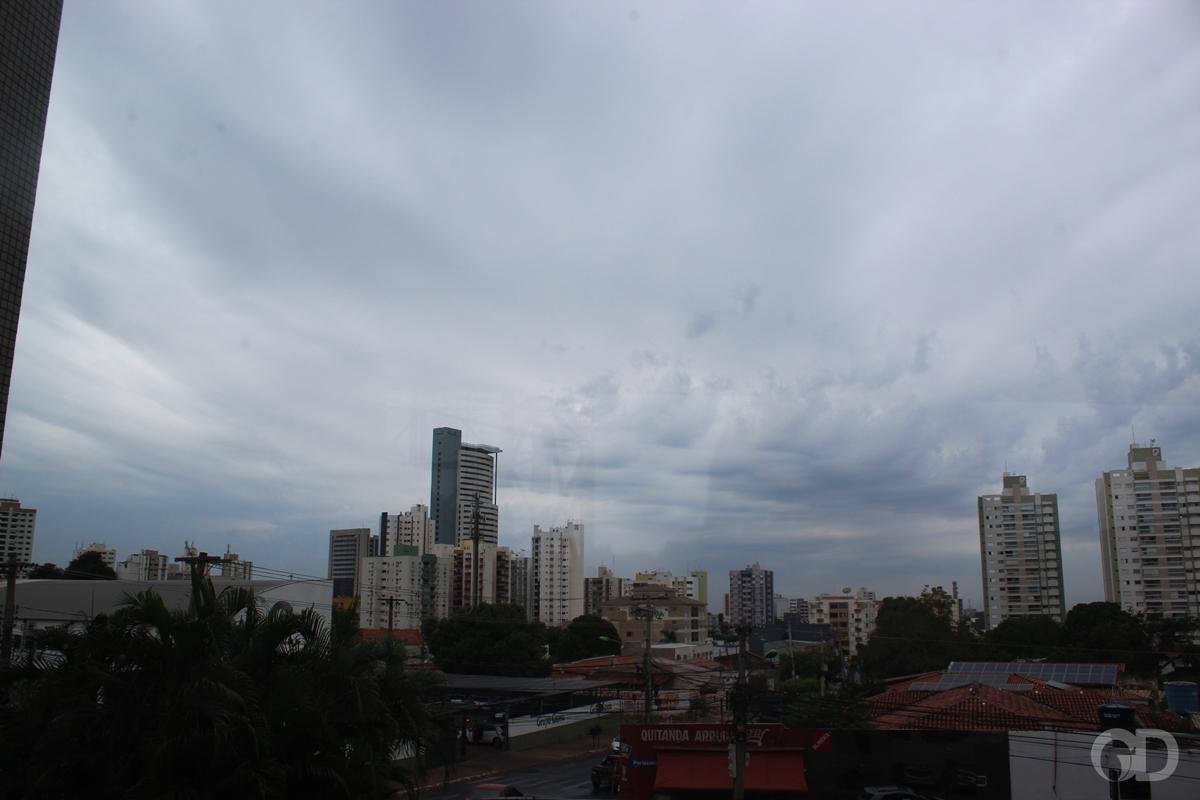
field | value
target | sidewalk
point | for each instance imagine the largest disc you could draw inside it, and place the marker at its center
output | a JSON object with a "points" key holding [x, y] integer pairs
{"points": [[487, 762]]}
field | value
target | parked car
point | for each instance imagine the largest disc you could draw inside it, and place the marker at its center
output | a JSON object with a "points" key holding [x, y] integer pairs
{"points": [[488, 734], [604, 774], [490, 791]]}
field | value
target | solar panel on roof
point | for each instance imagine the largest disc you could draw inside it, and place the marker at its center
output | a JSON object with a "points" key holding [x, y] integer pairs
{"points": [[1067, 673]]}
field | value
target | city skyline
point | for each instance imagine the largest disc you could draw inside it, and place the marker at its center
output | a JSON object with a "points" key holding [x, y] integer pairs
{"points": [[743, 304]]}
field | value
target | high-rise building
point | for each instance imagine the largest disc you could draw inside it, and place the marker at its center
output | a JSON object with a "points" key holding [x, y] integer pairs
{"points": [[556, 568], [437, 582], [694, 585], [412, 528], [389, 589], [145, 565], [751, 596], [520, 584], [1020, 549], [1149, 514], [462, 474], [494, 574], [796, 606], [851, 616], [28, 44], [233, 567], [347, 548], [605, 586], [17, 527]]}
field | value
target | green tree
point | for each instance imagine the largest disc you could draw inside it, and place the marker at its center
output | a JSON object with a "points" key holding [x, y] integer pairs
{"points": [[489, 640], [89, 564], [910, 636], [220, 700], [586, 636], [1103, 632], [1024, 638], [46, 571]]}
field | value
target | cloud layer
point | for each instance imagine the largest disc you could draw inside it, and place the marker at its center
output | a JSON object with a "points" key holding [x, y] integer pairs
{"points": [[790, 286]]}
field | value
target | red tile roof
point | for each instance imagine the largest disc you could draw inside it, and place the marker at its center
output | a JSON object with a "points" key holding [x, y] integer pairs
{"points": [[978, 707]]}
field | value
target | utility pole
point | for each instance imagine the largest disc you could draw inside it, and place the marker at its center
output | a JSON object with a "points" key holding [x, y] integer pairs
{"points": [[475, 571], [741, 699], [646, 612], [203, 561], [10, 611], [391, 603]]}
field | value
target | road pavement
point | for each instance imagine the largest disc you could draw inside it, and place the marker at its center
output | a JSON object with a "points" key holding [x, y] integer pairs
{"points": [[564, 779]]}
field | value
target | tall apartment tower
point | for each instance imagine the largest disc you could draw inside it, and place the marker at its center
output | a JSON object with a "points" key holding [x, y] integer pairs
{"points": [[461, 472], [28, 44], [17, 525], [520, 583], [1149, 518], [751, 596], [347, 548], [1020, 550], [602, 588], [412, 528], [556, 572]]}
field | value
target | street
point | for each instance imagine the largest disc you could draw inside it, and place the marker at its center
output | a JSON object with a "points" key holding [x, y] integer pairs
{"points": [[563, 779]]}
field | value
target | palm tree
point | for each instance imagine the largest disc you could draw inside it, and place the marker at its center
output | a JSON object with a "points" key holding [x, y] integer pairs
{"points": [[220, 700]]}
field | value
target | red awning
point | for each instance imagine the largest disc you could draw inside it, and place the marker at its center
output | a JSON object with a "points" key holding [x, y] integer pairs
{"points": [[706, 770]]}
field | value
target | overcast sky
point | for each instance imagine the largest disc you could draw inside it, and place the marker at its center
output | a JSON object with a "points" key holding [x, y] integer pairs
{"points": [[789, 285]]}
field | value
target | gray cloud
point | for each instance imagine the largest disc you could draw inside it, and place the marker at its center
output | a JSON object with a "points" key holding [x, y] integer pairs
{"points": [[789, 285]]}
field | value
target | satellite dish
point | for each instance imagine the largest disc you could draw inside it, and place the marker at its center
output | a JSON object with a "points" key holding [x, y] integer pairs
{"points": [[845, 590]]}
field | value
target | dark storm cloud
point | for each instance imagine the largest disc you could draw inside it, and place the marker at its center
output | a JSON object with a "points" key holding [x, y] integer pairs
{"points": [[791, 285]]}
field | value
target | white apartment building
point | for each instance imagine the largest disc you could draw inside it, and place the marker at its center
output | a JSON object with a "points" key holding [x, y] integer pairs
{"points": [[694, 585], [17, 526], [1148, 515], [390, 580], [556, 572], [412, 528], [437, 581], [1020, 549], [751, 599], [852, 617], [145, 565]]}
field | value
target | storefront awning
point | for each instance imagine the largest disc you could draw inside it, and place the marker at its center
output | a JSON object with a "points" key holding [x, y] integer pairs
{"points": [[708, 770]]}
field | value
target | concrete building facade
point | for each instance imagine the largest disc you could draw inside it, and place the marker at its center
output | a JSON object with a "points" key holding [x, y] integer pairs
{"points": [[605, 586], [1020, 548], [520, 583], [412, 528], [395, 581], [556, 573], [18, 526], [1149, 519], [851, 616], [461, 472], [347, 548], [28, 46], [751, 597]]}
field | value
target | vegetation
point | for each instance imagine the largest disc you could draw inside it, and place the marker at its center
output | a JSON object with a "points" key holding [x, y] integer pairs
{"points": [[221, 700], [912, 635], [89, 564], [489, 640], [586, 636]]}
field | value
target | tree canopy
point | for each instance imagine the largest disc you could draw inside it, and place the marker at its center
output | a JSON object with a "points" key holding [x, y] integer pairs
{"points": [[913, 634], [586, 636], [88, 564], [221, 700], [489, 640]]}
